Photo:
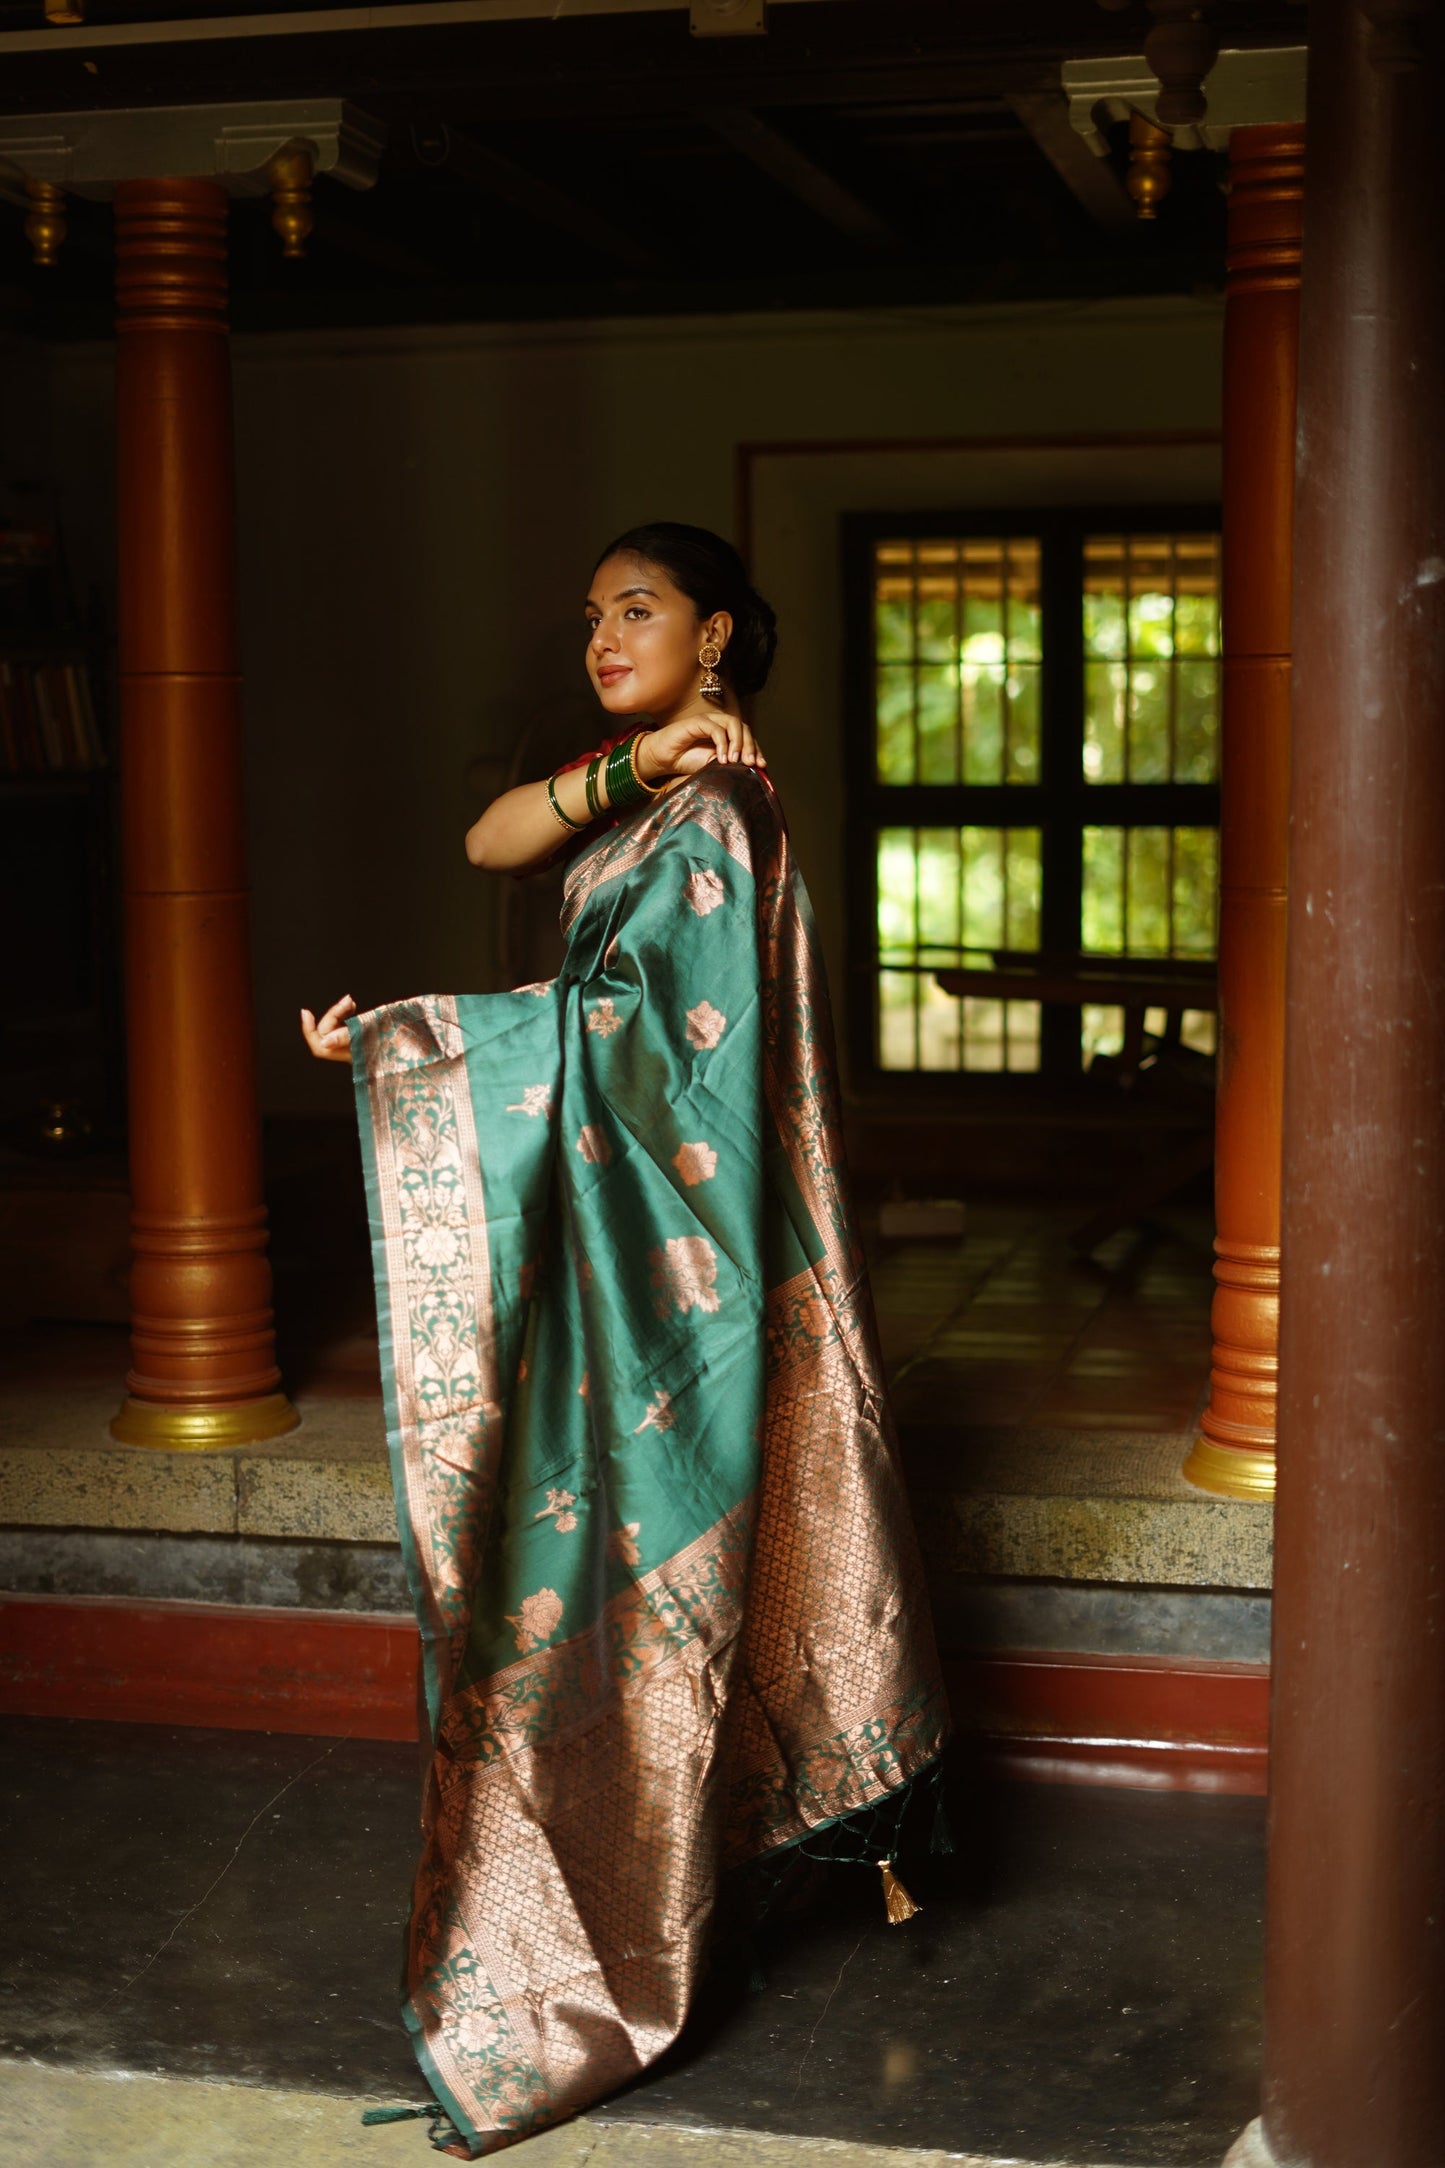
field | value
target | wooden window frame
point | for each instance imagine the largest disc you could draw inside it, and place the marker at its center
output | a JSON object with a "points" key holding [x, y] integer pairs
{"points": [[1061, 804]]}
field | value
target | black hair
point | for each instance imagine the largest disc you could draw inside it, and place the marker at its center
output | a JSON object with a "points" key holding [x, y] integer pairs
{"points": [[711, 574]]}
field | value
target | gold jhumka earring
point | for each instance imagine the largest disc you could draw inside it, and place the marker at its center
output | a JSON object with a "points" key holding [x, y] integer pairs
{"points": [[710, 655]]}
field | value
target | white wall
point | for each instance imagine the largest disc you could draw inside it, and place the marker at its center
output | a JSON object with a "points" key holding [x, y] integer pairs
{"points": [[420, 512]]}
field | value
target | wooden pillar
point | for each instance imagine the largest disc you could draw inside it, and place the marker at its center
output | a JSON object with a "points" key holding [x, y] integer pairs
{"points": [[204, 1362], [1235, 1452], [1355, 1973]]}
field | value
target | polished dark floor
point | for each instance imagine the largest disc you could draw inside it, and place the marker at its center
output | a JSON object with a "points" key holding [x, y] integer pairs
{"points": [[1082, 1984]]}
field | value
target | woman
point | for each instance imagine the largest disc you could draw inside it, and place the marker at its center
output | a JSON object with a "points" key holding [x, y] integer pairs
{"points": [[671, 1608]]}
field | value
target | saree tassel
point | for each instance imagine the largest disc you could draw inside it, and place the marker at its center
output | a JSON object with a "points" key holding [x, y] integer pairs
{"points": [[896, 1900], [941, 1840], [443, 2133]]}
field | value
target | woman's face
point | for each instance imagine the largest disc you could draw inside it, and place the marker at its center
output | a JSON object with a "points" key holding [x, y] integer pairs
{"points": [[643, 639]]}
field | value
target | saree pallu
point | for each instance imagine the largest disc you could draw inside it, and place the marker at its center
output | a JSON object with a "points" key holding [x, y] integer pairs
{"points": [[670, 1599]]}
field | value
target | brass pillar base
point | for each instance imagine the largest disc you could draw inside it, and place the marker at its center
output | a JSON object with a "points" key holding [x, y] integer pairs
{"points": [[1251, 2149], [1230, 1471], [203, 1430]]}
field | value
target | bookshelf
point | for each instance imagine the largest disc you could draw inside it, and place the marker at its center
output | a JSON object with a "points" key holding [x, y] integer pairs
{"points": [[47, 716]]}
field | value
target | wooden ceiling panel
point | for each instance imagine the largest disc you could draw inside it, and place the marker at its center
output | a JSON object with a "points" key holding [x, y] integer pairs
{"points": [[885, 150]]}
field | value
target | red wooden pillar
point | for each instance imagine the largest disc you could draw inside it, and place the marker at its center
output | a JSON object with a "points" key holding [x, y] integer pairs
{"points": [[1355, 1970], [1235, 1452], [204, 1363]]}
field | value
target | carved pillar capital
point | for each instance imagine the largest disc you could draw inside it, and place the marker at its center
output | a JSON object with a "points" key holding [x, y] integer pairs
{"points": [[170, 249], [1266, 208]]}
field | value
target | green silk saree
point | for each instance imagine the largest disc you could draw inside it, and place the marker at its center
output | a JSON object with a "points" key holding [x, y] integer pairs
{"points": [[671, 1607]]}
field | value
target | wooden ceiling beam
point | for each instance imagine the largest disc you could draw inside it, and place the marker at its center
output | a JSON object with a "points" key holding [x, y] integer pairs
{"points": [[1091, 180], [488, 170], [484, 78], [782, 161], [334, 230]]}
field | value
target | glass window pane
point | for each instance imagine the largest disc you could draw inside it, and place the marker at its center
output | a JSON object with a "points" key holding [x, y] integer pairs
{"points": [[938, 722], [1196, 722], [1151, 604], [894, 733], [1196, 890], [1103, 901], [1021, 723], [983, 1035], [958, 641], [1196, 607], [1151, 631], [983, 888], [1021, 1026], [943, 891], [981, 659], [1023, 624], [983, 599], [897, 892], [1104, 624], [983, 685], [1147, 894], [1198, 1028], [939, 890], [1023, 865], [937, 620], [1151, 891], [893, 608], [1148, 755], [1101, 1031], [897, 1035], [939, 1021], [1106, 693]]}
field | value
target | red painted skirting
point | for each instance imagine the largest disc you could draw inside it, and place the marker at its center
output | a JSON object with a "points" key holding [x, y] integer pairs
{"points": [[1171, 1723], [336, 1674], [1159, 1722]]}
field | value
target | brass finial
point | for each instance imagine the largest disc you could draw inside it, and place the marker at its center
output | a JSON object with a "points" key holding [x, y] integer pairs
{"points": [[45, 226], [1181, 48], [291, 172], [1148, 176]]}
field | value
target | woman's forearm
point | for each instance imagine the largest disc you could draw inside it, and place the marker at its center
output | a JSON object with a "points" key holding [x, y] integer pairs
{"points": [[519, 830]]}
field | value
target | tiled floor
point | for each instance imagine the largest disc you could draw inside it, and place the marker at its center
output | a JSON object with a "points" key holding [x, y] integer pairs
{"points": [[1081, 1986], [1004, 1327], [1008, 1326]]}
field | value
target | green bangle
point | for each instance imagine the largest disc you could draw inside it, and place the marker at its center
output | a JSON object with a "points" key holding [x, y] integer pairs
{"points": [[554, 802], [593, 806], [623, 789]]}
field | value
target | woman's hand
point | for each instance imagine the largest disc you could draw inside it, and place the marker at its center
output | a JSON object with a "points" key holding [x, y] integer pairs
{"points": [[681, 748], [329, 1040]]}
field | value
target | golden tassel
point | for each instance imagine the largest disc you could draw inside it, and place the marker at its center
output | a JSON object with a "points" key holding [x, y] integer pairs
{"points": [[896, 1900]]}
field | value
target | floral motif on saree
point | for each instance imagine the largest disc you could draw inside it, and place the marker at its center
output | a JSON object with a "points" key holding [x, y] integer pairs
{"points": [[672, 1616], [695, 1163]]}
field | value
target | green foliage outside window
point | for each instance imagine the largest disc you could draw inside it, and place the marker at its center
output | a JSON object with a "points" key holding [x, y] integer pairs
{"points": [[959, 658]]}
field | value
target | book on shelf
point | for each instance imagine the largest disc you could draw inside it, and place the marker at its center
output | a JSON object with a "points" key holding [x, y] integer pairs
{"points": [[47, 719]]}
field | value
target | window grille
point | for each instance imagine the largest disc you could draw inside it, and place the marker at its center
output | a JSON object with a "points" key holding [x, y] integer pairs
{"points": [[1035, 769]]}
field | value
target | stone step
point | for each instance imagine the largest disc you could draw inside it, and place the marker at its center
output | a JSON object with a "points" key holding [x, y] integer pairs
{"points": [[126, 2119], [1061, 1505]]}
